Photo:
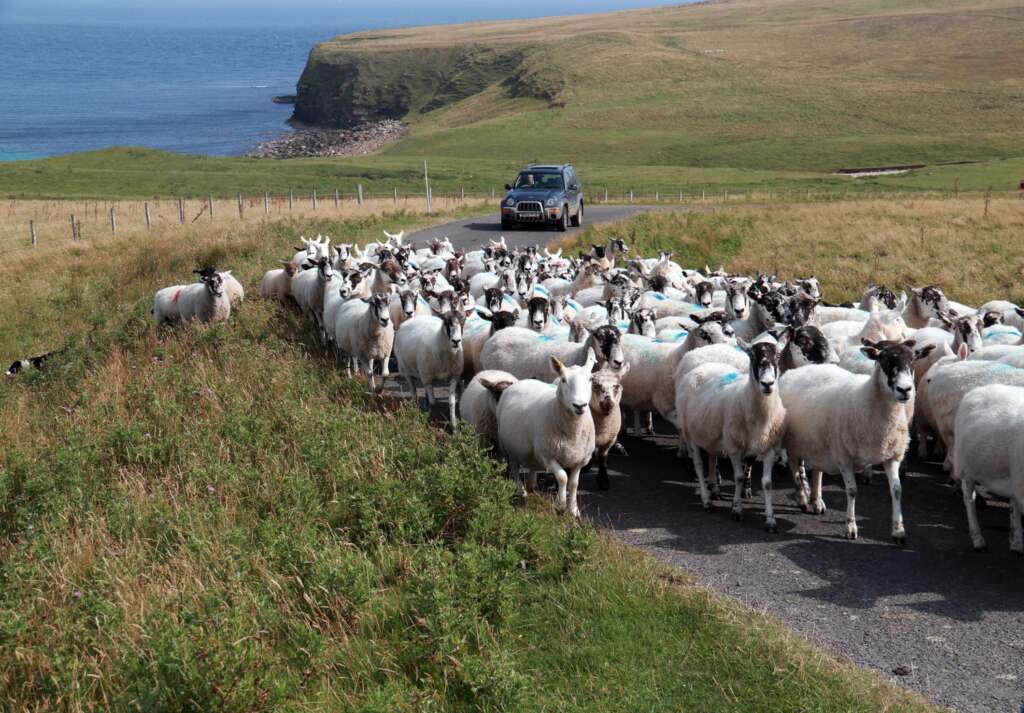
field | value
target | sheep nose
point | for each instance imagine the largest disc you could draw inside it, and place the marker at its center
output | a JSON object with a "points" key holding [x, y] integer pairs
{"points": [[617, 363], [456, 343], [903, 392], [578, 408]]}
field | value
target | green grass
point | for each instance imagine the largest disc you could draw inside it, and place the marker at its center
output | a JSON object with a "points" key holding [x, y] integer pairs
{"points": [[214, 519]]}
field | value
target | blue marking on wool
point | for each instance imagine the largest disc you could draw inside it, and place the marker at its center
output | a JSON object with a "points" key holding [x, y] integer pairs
{"points": [[656, 295], [422, 301], [542, 290], [624, 325], [1000, 330], [672, 337], [1000, 367], [727, 379], [575, 305], [546, 337]]}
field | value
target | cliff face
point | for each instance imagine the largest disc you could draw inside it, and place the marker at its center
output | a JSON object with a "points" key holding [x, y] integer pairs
{"points": [[345, 84]]}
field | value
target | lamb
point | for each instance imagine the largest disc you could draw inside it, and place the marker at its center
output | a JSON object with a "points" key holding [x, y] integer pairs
{"points": [[549, 427], [277, 284], [989, 452], [364, 331], [406, 304], [429, 349], [309, 287], [205, 301], [606, 393], [479, 403], [722, 411], [838, 421], [525, 353]]}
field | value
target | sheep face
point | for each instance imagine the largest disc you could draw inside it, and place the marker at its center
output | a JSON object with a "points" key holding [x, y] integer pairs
{"points": [[810, 287], [213, 280], [573, 386], [705, 294], [537, 310], [801, 307], [606, 342], [713, 328], [501, 320], [991, 319], [774, 306], [932, 301], [494, 297], [737, 300], [408, 299], [764, 363], [966, 330], [895, 362], [452, 324], [658, 283], [350, 283], [642, 320], [597, 251], [380, 307], [606, 389], [616, 308], [558, 305], [808, 345], [878, 298], [619, 246], [325, 269], [525, 282]]}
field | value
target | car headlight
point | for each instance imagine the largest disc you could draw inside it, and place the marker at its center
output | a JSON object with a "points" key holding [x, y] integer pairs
{"points": [[551, 202], [510, 202]]}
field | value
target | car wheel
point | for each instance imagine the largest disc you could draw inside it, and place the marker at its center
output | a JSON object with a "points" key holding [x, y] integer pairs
{"points": [[563, 223], [578, 220], [506, 224]]}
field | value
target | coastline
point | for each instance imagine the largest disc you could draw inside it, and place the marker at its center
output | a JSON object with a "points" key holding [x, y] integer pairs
{"points": [[314, 142]]}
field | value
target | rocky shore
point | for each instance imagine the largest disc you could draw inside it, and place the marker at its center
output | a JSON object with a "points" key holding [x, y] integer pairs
{"points": [[308, 142]]}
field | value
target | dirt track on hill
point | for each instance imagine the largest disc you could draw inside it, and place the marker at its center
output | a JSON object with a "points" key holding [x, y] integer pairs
{"points": [[948, 619]]}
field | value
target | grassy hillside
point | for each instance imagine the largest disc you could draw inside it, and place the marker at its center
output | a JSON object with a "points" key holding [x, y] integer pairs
{"points": [[214, 519], [754, 84]]}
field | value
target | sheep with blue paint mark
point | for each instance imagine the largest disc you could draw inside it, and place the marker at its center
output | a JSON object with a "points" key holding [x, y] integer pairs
{"points": [[736, 414]]}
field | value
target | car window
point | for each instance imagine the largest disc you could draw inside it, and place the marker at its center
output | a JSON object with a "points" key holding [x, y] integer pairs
{"points": [[540, 181]]}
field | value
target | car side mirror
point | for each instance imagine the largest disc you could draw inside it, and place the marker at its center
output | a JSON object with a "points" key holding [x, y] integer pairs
{"points": [[508, 186], [574, 187]]}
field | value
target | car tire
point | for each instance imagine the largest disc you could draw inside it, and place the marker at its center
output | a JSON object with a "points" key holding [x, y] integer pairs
{"points": [[564, 221], [506, 224], [577, 221]]}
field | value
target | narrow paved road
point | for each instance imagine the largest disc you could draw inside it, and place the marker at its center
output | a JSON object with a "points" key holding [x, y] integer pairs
{"points": [[473, 233], [951, 621]]}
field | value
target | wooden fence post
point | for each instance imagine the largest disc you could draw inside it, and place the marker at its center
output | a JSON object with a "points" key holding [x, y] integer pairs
{"points": [[396, 195], [113, 219], [146, 208], [337, 199], [462, 193], [605, 195], [266, 202], [360, 196], [657, 196], [239, 205], [291, 199], [631, 195], [32, 230], [181, 210], [492, 193], [74, 229], [314, 199]]}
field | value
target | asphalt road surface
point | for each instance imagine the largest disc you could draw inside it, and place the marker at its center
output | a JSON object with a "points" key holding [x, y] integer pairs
{"points": [[949, 620]]}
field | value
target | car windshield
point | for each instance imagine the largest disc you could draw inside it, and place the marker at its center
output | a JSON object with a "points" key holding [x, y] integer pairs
{"points": [[540, 181]]}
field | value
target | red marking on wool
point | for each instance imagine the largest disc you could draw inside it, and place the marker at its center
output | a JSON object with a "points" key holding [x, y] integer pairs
{"points": [[176, 296]]}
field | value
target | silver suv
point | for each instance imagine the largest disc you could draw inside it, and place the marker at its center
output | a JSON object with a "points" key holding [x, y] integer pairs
{"points": [[543, 195]]}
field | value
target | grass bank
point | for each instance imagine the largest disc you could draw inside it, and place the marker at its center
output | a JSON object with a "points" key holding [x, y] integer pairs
{"points": [[847, 244], [214, 519]]}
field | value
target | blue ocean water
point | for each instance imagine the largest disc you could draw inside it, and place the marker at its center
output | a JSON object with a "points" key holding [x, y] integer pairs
{"points": [[70, 88]]}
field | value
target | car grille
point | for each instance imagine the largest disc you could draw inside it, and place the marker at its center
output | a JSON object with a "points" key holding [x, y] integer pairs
{"points": [[530, 210]]}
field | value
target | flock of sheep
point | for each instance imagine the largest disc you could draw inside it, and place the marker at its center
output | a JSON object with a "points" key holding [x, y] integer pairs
{"points": [[552, 349]]}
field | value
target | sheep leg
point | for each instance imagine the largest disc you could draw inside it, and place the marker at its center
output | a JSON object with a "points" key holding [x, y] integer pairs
{"points": [[737, 490], [636, 423], [892, 472], [574, 484], [850, 482], [818, 502], [385, 367], [681, 447], [453, 399], [531, 481], [513, 473], [766, 488], [561, 502], [698, 468], [977, 539], [649, 429], [373, 378], [800, 485], [748, 478], [714, 476], [1016, 528], [602, 471]]}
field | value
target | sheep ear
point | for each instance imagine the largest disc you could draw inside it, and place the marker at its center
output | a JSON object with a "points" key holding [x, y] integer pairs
{"points": [[870, 352], [963, 352], [623, 370], [902, 304], [367, 300], [945, 319], [923, 352], [1019, 311], [743, 345], [591, 358], [486, 316], [496, 386], [557, 366]]}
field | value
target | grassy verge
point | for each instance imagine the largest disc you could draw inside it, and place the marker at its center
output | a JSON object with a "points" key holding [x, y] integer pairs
{"points": [[847, 244], [214, 519]]}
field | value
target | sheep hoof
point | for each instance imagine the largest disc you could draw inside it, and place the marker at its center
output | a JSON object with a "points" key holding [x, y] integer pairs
{"points": [[709, 507], [748, 493], [851, 532], [900, 540], [772, 528]]}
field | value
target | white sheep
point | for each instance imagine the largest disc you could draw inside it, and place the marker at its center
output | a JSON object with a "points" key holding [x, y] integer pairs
{"points": [[549, 428], [233, 288], [606, 394], [277, 284], [364, 332], [406, 304], [738, 414], [989, 452], [479, 403], [525, 353], [478, 328], [204, 301], [429, 349], [308, 289], [842, 422]]}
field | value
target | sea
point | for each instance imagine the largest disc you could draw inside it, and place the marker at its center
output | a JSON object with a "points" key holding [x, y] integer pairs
{"points": [[69, 88]]}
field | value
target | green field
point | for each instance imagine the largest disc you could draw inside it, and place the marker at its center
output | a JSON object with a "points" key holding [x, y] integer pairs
{"points": [[744, 96], [215, 519]]}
